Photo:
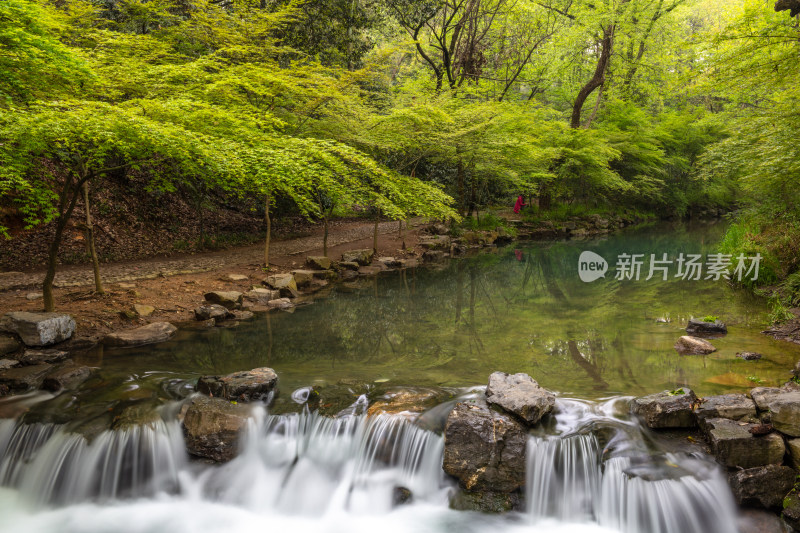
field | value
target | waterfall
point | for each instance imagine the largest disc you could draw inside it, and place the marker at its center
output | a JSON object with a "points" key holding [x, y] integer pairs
{"points": [[49, 465]]}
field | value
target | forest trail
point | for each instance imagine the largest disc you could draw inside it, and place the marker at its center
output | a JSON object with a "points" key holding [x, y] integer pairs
{"points": [[159, 267]]}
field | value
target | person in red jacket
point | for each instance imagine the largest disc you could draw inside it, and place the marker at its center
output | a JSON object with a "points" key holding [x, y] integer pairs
{"points": [[520, 204]]}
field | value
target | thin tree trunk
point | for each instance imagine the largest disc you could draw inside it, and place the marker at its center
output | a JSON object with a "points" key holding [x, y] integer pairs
{"points": [[325, 236], [460, 185], [98, 283], [403, 234], [596, 107], [269, 232], [375, 237], [598, 78], [66, 205]]}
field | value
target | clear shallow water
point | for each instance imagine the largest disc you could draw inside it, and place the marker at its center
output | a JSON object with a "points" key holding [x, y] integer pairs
{"points": [[518, 309]]}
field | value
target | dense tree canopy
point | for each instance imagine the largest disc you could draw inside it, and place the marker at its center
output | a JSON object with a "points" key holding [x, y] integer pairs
{"points": [[434, 107]]}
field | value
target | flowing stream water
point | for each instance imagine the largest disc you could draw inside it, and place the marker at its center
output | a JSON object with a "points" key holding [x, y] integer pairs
{"points": [[590, 468]]}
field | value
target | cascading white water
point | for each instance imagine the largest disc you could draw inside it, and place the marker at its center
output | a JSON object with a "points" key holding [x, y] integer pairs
{"points": [[569, 479], [306, 472]]}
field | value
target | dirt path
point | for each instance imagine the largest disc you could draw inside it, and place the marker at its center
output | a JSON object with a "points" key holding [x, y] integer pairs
{"points": [[81, 275], [174, 286]]}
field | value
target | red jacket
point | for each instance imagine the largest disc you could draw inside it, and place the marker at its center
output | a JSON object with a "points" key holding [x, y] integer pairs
{"points": [[520, 204]]}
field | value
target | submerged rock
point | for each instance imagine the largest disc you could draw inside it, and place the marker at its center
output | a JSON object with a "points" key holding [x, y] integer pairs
{"points": [[667, 409], [212, 428], [687, 345], [520, 395], [700, 328], [67, 376], [149, 334], [24, 378], [749, 356], [735, 446], [362, 257], [401, 496], [484, 449], [407, 401], [247, 386], [733, 406], [763, 486], [227, 299], [39, 329]]}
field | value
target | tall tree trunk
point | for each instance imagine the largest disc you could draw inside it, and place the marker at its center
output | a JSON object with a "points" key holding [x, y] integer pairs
{"points": [[460, 185], [269, 232], [98, 283], [325, 236], [598, 78], [375, 237]]}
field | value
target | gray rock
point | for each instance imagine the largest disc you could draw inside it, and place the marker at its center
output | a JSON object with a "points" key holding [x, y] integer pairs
{"points": [[24, 378], [793, 449], [436, 242], [213, 311], [438, 229], [212, 428], [149, 334], [280, 303], [5, 364], [484, 449], [733, 406], [486, 501], [66, 376], [227, 299], [285, 283], [143, 414], [749, 356], [687, 345], [667, 409], [236, 277], [247, 386], [758, 521], [303, 278], [369, 270], [401, 496], [762, 486], [261, 296], [243, 315], [735, 446], [389, 262], [700, 328], [783, 406], [38, 357], [362, 257], [8, 345], [39, 329], [34, 296], [520, 395], [319, 262]]}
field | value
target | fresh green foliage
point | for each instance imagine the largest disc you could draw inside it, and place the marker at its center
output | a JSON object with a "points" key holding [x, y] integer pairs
{"points": [[710, 318]]}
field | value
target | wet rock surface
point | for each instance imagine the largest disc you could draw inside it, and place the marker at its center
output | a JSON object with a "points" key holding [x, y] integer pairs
{"points": [[519, 395], [734, 445], [667, 409], [38, 357], [283, 283], [149, 334], [782, 405], [700, 328], [212, 428], [24, 378], [486, 501], [763, 486], [688, 345], [38, 329], [213, 311], [407, 401], [362, 257], [247, 386], [227, 299], [67, 376], [484, 449], [733, 406]]}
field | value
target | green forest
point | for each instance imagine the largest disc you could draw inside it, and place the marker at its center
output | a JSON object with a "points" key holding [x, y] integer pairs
{"points": [[400, 108]]}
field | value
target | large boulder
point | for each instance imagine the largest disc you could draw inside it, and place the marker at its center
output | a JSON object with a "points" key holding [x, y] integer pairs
{"points": [[362, 257], [520, 395], [783, 406], [699, 328], [39, 329], [247, 386], [67, 376], [212, 428], [303, 278], [762, 486], [227, 299], [667, 409], [688, 345], [213, 311], [734, 406], [149, 334], [261, 296], [735, 445], [24, 378], [484, 449]]}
